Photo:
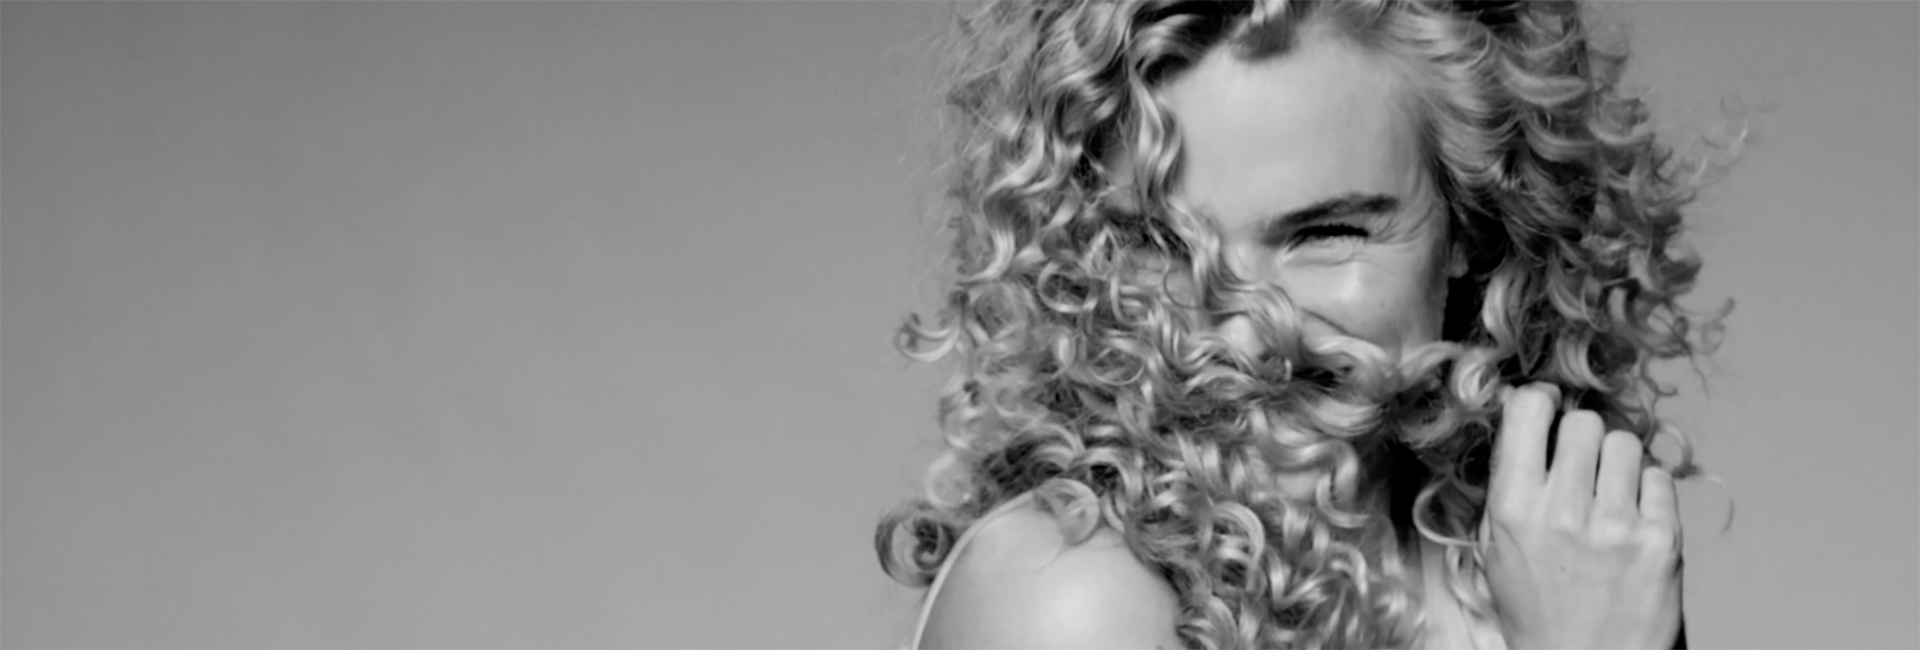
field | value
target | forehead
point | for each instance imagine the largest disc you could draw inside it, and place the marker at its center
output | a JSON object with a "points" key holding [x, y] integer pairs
{"points": [[1324, 119]]}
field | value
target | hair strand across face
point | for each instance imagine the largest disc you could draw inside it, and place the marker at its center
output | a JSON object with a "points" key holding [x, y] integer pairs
{"points": [[1083, 312]]}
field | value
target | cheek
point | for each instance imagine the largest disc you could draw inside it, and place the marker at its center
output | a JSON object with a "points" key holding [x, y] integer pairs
{"points": [[1387, 306]]}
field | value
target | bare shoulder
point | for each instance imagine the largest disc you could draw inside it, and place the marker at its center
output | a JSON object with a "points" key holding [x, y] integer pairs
{"points": [[1020, 583]]}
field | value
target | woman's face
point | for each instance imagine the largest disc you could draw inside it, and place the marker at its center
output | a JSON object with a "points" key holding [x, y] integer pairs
{"points": [[1312, 168]]}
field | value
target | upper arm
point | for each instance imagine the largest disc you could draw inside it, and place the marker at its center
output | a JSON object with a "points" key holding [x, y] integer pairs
{"points": [[1019, 584]]}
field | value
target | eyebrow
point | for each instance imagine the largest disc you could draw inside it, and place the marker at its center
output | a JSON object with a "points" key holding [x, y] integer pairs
{"points": [[1274, 228]]}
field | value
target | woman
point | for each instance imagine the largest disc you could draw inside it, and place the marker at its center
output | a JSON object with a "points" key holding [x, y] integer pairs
{"points": [[1245, 292]]}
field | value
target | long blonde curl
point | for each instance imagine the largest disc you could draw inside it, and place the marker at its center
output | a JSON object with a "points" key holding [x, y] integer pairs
{"points": [[1082, 318]]}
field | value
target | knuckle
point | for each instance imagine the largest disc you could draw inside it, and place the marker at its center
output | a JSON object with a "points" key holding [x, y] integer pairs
{"points": [[1658, 537], [1568, 523], [1611, 531]]}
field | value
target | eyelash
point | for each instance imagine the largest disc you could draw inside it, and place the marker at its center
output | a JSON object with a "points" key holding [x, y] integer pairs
{"points": [[1329, 231]]}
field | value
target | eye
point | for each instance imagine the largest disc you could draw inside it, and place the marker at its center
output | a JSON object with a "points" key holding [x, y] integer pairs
{"points": [[1328, 233]]}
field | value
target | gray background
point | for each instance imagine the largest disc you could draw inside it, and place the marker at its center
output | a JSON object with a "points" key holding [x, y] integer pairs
{"points": [[567, 325]]}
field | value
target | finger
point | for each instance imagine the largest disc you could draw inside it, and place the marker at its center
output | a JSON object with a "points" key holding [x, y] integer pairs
{"points": [[1520, 455], [1576, 456], [1658, 501], [1617, 489]]}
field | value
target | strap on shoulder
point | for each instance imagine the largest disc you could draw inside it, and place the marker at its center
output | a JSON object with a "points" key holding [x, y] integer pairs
{"points": [[940, 578]]}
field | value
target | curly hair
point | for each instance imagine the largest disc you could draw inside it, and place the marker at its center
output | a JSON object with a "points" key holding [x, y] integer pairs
{"points": [[1084, 309]]}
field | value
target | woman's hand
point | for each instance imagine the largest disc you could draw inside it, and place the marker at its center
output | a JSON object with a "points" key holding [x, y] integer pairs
{"points": [[1587, 554]]}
